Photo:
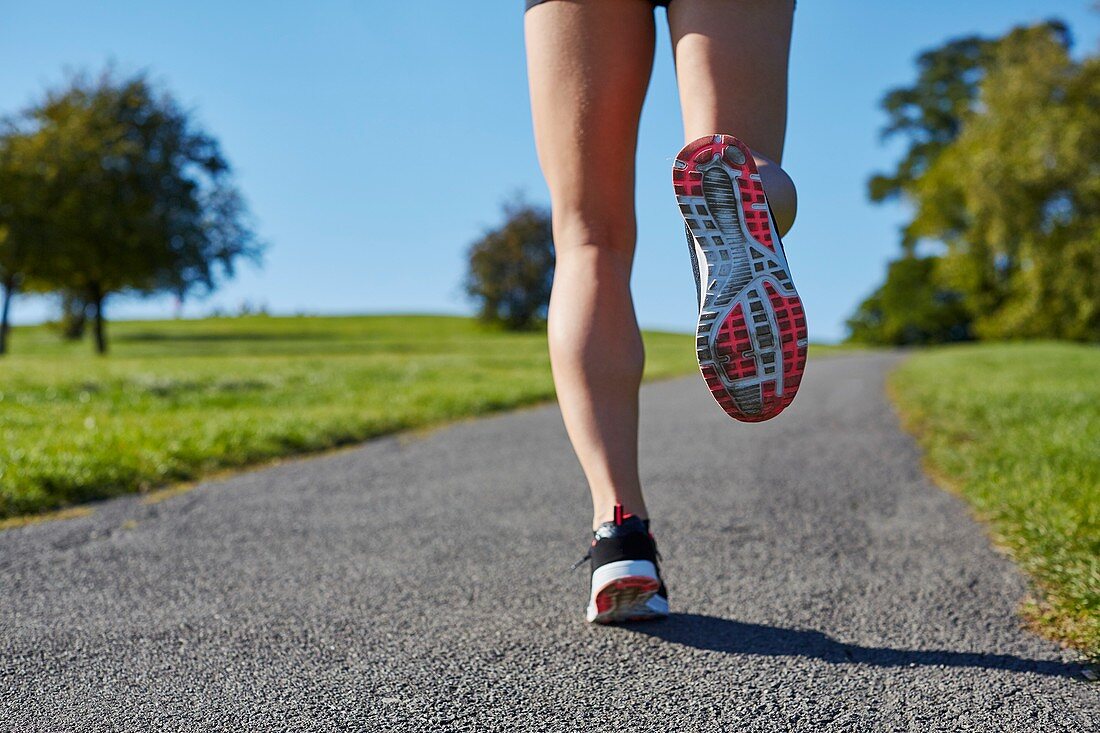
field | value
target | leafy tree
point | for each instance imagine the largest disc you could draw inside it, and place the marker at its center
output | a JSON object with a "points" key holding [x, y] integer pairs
{"points": [[139, 199], [21, 231], [1001, 171], [512, 267], [929, 115], [911, 308], [1023, 172]]}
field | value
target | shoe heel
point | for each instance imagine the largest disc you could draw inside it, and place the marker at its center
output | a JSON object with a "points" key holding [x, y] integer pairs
{"points": [[621, 592]]}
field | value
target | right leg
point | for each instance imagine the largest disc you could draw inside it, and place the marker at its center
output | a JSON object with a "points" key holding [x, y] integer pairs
{"points": [[731, 67], [589, 65]]}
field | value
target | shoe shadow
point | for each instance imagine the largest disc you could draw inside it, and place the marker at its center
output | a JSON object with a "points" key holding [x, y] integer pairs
{"points": [[735, 637]]}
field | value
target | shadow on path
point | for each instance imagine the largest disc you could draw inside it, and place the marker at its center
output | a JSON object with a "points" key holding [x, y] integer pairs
{"points": [[735, 637]]}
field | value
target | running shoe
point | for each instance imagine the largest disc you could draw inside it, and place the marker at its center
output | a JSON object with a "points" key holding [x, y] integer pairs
{"points": [[626, 577], [751, 333]]}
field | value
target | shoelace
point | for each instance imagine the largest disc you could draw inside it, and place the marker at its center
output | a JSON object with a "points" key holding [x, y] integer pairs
{"points": [[582, 561]]}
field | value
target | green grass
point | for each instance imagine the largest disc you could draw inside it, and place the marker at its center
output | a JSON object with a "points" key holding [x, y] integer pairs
{"points": [[178, 399], [1015, 429]]}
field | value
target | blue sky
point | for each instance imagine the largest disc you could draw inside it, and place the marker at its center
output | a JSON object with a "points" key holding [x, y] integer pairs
{"points": [[375, 141]]}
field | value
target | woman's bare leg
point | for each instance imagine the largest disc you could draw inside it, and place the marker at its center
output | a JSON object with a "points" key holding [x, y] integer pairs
{"points": [[589, 65], [731, 65]]}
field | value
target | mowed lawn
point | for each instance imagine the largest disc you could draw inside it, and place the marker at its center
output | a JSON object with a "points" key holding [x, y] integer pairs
{"points": [[177, 399], [1015, 429]]}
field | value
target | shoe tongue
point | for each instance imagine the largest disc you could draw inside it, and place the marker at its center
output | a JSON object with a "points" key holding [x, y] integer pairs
{"points": [[629, 525]]}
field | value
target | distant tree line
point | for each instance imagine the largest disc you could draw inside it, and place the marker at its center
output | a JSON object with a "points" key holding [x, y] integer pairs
{"points": [[108, 186], [1001, 175]]}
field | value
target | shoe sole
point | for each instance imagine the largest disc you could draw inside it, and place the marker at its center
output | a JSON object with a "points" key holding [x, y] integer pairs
{"points": [[626, 596], [751, 336]]}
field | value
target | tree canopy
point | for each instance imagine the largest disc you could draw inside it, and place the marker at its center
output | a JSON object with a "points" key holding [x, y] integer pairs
{"points": [[911, 308], [114, 188], [511, 268], [1001, 175]]}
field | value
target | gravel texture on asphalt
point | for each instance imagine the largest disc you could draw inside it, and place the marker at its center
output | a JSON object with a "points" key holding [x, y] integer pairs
{"points": [[819, 582]]}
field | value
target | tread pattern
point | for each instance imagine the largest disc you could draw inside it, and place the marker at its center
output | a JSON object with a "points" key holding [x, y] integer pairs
{"points": [[624, 599], [751, 336]]}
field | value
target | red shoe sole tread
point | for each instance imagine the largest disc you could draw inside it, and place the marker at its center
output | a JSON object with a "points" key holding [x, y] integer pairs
{"points": [[751, 337]]}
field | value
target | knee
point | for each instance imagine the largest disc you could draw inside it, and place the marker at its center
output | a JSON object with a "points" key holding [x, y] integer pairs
{"points": [[594, 232]]}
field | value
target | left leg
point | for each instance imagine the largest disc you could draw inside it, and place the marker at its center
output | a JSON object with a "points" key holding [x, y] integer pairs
{"points": [[589, 65]]}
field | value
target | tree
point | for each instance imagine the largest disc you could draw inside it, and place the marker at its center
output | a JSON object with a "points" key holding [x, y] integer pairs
{"points": [[9, 280], [511, 268], [929, 115], [911, 308], [73, 317], [1023, 172], [1000, 173], [139, 198], [21, 230]]}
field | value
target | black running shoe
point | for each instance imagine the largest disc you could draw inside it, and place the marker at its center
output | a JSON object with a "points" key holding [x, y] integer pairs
{"points": [[626, 577]]}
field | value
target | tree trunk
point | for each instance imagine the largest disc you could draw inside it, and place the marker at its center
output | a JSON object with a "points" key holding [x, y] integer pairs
{"points": [[100, 336], [5, 312], [73, 316]]}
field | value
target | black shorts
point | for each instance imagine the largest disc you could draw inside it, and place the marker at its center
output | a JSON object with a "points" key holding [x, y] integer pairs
{"points": [[533, 3], [656, 3]]}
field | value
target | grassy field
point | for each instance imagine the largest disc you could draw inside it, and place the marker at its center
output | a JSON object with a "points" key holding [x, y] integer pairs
{"points": [[1015, 429], [177, 399]]}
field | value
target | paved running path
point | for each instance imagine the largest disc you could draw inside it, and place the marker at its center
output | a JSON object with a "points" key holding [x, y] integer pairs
{"points": [[821, 583]]}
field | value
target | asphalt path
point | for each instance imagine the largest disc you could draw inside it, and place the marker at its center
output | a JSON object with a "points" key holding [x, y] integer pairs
{"points": [[819, 582]]}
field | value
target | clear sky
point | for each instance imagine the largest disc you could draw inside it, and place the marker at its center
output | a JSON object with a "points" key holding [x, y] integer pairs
{"points": [[376, 140]]}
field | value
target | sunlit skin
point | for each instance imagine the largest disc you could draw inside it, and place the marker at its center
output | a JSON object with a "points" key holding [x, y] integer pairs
{"points": [[589, 65]]}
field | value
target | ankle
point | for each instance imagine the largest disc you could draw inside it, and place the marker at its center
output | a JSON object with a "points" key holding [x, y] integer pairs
{"points": [[608, 513]]}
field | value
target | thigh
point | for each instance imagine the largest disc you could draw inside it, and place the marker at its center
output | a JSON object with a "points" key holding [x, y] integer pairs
{"points": [[731, 65], [589, 64]]}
